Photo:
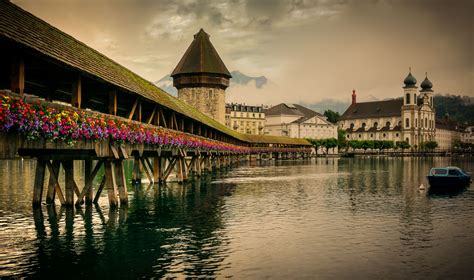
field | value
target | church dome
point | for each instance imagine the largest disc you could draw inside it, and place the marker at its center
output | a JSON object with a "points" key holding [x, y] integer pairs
{"points": [[426, 84], [409, 81]]}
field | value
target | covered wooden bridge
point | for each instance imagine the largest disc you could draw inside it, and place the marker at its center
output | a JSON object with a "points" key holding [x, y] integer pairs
{"points": [[62, 101]]}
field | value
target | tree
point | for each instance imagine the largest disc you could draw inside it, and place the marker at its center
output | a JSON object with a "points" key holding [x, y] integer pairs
{"points": [[330, 143], [341, 139], [402, 145], [332, 116], [429, 145]]}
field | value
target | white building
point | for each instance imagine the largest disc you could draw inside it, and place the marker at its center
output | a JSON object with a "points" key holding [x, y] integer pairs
{"points": [[410, 118], [467, 136], [296, 121], [447, 134]]}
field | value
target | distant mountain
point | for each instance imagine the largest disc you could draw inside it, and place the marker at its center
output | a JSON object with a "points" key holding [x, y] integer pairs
{"points": [[328, 104], [459, 108], [238, 79]]}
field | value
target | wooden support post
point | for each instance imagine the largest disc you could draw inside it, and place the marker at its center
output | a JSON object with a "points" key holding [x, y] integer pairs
{"points": [[145, 168], [136, 174], [53, 175], [122, 183], [113, 102], [68, 166], [198, 166], [77, 92], [111, 183], [172, 163], [39, 182], [17, 78], [88, 186], [156, 169], [87, 177]]}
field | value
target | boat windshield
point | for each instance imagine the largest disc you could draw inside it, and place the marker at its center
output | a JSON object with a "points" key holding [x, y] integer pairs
{"points": [[439, 171]]}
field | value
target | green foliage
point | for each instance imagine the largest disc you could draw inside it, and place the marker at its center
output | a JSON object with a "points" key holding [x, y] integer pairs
{"points": [[429, 145], [341, 138], [402, 145], [332, 116], [460, 108]]}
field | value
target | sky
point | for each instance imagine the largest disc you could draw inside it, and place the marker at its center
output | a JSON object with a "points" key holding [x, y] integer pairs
{"points": [[310, 50]]}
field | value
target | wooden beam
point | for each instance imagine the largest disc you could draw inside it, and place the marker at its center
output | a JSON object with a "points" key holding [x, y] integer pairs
{"points": [[122, 183], [88, 186], [173, 115], [69, 181], [113, 102], [163, 118], [134, 107], [99, 190], [170, 167], [39, 181], [17, 77], [54, 173], [140, 111], [77, 92], [150, 119], [111, 183]]}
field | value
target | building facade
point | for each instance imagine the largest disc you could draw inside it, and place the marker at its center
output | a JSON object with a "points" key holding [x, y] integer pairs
{"points": [[201, 78], [296, 121], [410, 118], [448, 132], [245, 119]]}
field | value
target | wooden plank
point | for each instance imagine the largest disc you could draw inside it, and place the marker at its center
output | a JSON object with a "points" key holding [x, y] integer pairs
{"points": [[179, 169], [17, 81], [69, 181], [88, 186], [114, 152], [113, 102], [99, 189], [39, 181], [77, 92], [53, 181], [175, 122], [134, 107], [110, 183], [122, 183], [58, 191]]}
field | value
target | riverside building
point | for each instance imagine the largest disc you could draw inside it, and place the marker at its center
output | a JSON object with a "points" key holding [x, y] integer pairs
{"points": [[245, 119]]}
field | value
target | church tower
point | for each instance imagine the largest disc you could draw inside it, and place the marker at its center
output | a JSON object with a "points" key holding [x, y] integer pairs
{"points": [[201, 78], [409, 110]]}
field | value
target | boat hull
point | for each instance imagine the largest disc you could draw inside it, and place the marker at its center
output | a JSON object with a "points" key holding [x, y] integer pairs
{"points": [[449, 182]]}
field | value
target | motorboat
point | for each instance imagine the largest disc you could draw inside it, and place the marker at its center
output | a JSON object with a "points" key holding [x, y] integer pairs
{"points": [[448, 177]]}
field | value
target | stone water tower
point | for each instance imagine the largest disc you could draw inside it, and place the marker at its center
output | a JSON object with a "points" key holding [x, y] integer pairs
{"points": [[201, 78]]}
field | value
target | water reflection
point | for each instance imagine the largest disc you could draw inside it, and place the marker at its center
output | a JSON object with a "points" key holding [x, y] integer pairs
{"points": [[177, 230]]}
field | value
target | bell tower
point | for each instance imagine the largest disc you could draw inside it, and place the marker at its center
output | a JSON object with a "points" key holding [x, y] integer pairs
{"points": [[409, 110], [201, 77]]}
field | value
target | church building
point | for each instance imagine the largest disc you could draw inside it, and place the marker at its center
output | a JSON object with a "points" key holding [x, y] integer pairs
{"points": [[410, 118], [201, 78]]}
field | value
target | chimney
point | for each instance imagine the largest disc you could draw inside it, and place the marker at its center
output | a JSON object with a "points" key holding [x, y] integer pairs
{"points": [[354, 97]]}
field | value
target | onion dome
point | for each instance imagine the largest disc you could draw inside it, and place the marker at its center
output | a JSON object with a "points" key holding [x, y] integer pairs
{"points": [[426, 84], [409, 81]]}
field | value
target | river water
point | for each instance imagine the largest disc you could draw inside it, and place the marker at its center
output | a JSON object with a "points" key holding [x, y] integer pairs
{"points": [[361, 218]]}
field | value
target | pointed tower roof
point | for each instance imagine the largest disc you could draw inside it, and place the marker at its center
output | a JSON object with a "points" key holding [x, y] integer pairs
{"points": [[201, 57]]}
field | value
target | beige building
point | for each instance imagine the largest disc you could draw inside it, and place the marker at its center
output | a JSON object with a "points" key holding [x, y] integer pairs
{"points": [[410, 118], [447, 133], [245, 119], [296, 121], [467, 135]]}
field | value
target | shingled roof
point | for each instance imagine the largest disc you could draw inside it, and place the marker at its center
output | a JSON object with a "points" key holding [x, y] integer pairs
{"points": [[291, 109], [201, 57], [377, 109], [27, 30]]}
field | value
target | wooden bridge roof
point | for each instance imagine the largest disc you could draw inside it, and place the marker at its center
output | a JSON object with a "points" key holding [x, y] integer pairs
{"points": [[28, 30]]}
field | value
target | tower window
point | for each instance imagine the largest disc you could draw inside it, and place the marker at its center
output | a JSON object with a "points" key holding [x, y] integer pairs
{"points": [[407, 101], [407, 122], [426, 122]]}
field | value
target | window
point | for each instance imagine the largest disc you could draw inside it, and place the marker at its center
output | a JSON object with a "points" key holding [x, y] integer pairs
{"points": [[384, 135], [371, 135], [426, 122], [407, 140], [453, 172], [407, 122], [360, 135], [396, 135], [376, 124], [347, 135], [414, 99], [387, 124], [407, 101], [416, 123]]}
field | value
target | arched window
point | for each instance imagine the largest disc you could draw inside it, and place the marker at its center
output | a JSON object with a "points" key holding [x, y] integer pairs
{"points": [[352, 126], [376, 124], [384, 135], [407, 140], [363, 125], [414, 99], [426, 122], [387, 124], [371, 135], [407, 99], [396, 135], [407, 122], [360, 135]]}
